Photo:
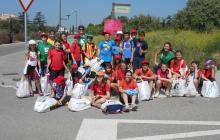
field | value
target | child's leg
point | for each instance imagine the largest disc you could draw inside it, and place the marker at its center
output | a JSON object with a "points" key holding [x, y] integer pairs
{"points": [[37, 81], [125, 98], [158, 85], [151, 85], [196, 83], [133, 99], [99, 102]]}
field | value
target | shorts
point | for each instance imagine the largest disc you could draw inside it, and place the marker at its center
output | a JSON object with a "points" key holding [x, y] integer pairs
{"points": [[32, 73], [55, 73]]}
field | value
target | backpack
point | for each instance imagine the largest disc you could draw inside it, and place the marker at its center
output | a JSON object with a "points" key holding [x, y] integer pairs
{"points": [[112, 107]]}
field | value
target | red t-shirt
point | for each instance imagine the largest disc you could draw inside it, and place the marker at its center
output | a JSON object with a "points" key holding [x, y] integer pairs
{"points": [[188, 73], [100, 89], [175, 64], [163, 74], [140, 72], [75, 49], [57, 57], [207, 73], [125, 86], [66, 45], [119, 75]]}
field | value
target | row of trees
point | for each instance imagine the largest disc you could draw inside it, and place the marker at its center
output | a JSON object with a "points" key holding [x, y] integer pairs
{"points": [[198, 15], [15, 27]]}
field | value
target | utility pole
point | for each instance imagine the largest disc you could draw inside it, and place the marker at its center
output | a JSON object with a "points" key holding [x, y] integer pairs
{"points": [[60, 14]]}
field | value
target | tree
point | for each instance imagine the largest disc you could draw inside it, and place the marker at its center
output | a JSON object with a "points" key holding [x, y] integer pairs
{"points": [[39, 21], [200, 15]]}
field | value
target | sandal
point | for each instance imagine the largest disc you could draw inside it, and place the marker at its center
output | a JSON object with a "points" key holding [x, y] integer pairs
{"points": [[31, 94]]}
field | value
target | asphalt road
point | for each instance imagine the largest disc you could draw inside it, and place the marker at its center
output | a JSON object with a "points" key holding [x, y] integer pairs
{"points": [[175, 118]]}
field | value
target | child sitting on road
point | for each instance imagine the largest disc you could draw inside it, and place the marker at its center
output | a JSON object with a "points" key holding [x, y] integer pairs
{"points": [[100, 90], [163, 80], [58, 91]]}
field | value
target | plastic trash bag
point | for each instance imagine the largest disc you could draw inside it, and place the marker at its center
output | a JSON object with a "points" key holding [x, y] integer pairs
{"points": [[210, 89], [23, 88], [44, 103], [144, 91], [79, 104]]}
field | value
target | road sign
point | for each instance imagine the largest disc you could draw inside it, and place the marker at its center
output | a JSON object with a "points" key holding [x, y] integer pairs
{"points": [[26, 4]]}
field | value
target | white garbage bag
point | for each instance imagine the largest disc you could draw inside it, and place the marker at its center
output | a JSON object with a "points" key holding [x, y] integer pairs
{"points": [[79, 104], [178, 87], [45, 86], [144, 91], [44, 103], [78, 90], [190, 87], [23, 88], [210, 89], [69, 85]]}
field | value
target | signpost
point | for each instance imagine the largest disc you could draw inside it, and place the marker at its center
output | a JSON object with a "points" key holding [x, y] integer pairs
{"points": [[25, 5]]}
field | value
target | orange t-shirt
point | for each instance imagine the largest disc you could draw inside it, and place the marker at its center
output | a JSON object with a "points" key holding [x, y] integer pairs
{"points": [[125, 86], [140, 72]]}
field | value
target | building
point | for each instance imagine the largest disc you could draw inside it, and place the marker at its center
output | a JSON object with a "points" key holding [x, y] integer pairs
{"points": [[4, 16]]}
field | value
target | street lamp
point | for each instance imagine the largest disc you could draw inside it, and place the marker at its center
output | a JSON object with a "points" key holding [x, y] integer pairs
{"points": [[76, 14]]}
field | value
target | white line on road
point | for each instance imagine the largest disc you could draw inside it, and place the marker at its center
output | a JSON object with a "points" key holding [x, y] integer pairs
{"points": [[11, 44], [106, 129]]}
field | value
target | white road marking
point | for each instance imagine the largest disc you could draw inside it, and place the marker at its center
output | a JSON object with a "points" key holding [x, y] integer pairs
{"points": [[106, 129]]}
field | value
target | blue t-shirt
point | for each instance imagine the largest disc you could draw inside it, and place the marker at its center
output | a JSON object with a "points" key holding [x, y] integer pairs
{"points": [[127, 46], [141, 45], [106, 50]]}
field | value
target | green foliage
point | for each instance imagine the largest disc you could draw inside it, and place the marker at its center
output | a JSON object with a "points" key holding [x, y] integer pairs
{"points": [[201, 15], [195, 45]]}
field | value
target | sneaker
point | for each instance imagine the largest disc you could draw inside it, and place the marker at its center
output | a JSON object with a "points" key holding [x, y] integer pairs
{"points": [[167, 93], [134, 107], [127, 108], [156, 95], [41, 94], [162, 96]]}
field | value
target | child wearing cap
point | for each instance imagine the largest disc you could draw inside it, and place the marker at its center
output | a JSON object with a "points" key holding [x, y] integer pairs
{"points": [[164, 80], [31, 72], [128, 49], [75, 50], [145, 73], [117, 62], [58, 91], [43, 48], [89, 48], [100, 90], [117, 48], [77, 77], [209, 72]]}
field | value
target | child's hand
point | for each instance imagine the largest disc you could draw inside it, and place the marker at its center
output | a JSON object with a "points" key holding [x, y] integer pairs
{"points": [[59, 102]]}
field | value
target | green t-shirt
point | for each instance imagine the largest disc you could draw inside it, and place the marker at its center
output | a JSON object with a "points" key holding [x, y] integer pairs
{"points": [[166, 58], [82, 40], [43, 48]]}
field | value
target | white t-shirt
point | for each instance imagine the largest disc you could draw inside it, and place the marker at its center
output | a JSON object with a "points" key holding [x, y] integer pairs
{"points": [[32, 59]]}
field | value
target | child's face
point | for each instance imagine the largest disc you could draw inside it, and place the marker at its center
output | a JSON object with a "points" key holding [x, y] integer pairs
{"points": [[57, 45], [178, 56], [44, 38], [107, 36], [33, 46], [166, 47], [194, 65], [123, 66], [145, 67], [126, 36], [108, 69], [141, 37], [164, 67], [128, 76], [89, 39], [99, 78], [64, 38], [207, 66]]}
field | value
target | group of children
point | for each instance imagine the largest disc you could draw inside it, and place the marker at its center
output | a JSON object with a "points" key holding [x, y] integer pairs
{"points": [[124, 65]]}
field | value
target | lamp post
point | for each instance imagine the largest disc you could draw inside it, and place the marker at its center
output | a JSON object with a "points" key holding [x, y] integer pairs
{"points": [[76, 14]]}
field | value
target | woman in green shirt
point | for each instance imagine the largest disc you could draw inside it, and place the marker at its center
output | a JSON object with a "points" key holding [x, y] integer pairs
{"points": [[166, 55]]}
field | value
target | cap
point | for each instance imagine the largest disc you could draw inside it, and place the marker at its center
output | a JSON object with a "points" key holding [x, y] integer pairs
{"points": [[145, 62], [118, 38], [209, 62], [59, 79], [32, 42], [104, 33], [118, 56], [100, 73], [44, 34], [81, 27], [89, 35], [119, 32], [133, 31], [74, 66], [77, 36]]}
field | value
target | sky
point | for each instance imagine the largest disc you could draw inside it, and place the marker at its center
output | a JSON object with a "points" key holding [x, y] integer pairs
{"points": [[91, 11]]}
